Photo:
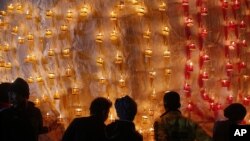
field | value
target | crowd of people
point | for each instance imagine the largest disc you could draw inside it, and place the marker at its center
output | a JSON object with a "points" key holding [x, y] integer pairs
{"points": [[20, 120]]}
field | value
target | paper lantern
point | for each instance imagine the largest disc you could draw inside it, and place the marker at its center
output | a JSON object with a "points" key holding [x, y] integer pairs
{"points": [[148, 52]]}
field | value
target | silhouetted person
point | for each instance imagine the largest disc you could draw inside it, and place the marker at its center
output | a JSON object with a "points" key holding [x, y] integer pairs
{"points": [[173, 126], [90, 128], [123, 129], [22, 121], [235, 113], [4, 96]]}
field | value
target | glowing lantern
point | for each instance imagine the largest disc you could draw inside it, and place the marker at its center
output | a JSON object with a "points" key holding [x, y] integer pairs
{"points": [[30, 37], [203, 11], [49, 13], [122, 82], [75, 90], [166, 54], [8, 65], [14, 30], [141, 10], [19, 8], [69, 71], [118, 59], [69, 15], [147, 34], [165, 30], [162, 6], [64, 27], [48, 33], [148, 52], [242, 24], [168, 72], [189, 66], [51, 75], [99, 37], [185, 2], [66, 52], [28, 14], [188, 21], [99, 61], [10, 8], [84, 11], [51, 52], [113, 35], [20, 40], [113, 16]]}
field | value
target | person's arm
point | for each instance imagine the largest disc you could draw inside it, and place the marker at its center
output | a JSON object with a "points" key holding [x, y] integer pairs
{"points": [[159, 132], [69, 134]]}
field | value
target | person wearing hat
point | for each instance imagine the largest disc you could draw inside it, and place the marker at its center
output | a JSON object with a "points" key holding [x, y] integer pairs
{"points": [[123, 129], [173, 126], [235, 114], [22, 121]]}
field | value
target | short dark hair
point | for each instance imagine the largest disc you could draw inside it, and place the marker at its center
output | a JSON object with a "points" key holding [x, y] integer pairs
{"points": [[172, 100], [99, 105], [235, 112], [126, 108], [4, 91], [20, 86]]}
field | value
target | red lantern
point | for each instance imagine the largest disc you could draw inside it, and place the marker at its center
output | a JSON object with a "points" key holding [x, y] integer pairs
{"points": [[190, 106], [189, 66], [204, 11], [188, 21], [187, 89], [230, 99], [225, 83], [242, 24], [236, 4]]}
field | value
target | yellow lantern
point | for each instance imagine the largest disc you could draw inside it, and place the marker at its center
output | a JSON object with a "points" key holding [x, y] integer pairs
{"points": [[20, 40], [51, 75], [69, 15], [141, 10], [165, 30], [37, 102], [100, 61], [28, 14], [8, 65], [10, 8], [166, 53], [64, 27], [147, 34], [75, 90], [122, 82], [66, 52], [39, 79], [51, 52], [85, 10], [113, 16], [30, 79], [168, 72], [114, 35], [56, 96], [6, 47], [48, 33], [99, 37], [14, 30], [69, 71], [3, 13], [49, 13], [30, 37], [118, 59], [148, 52], [30, 58], [19, 8], [162, 6]]}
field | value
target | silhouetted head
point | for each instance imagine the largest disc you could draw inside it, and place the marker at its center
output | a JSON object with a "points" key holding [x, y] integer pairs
{"points": [[235, 112], [100, 108], [4, 92], [171, 100], [126, 108], [19, 92]]}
